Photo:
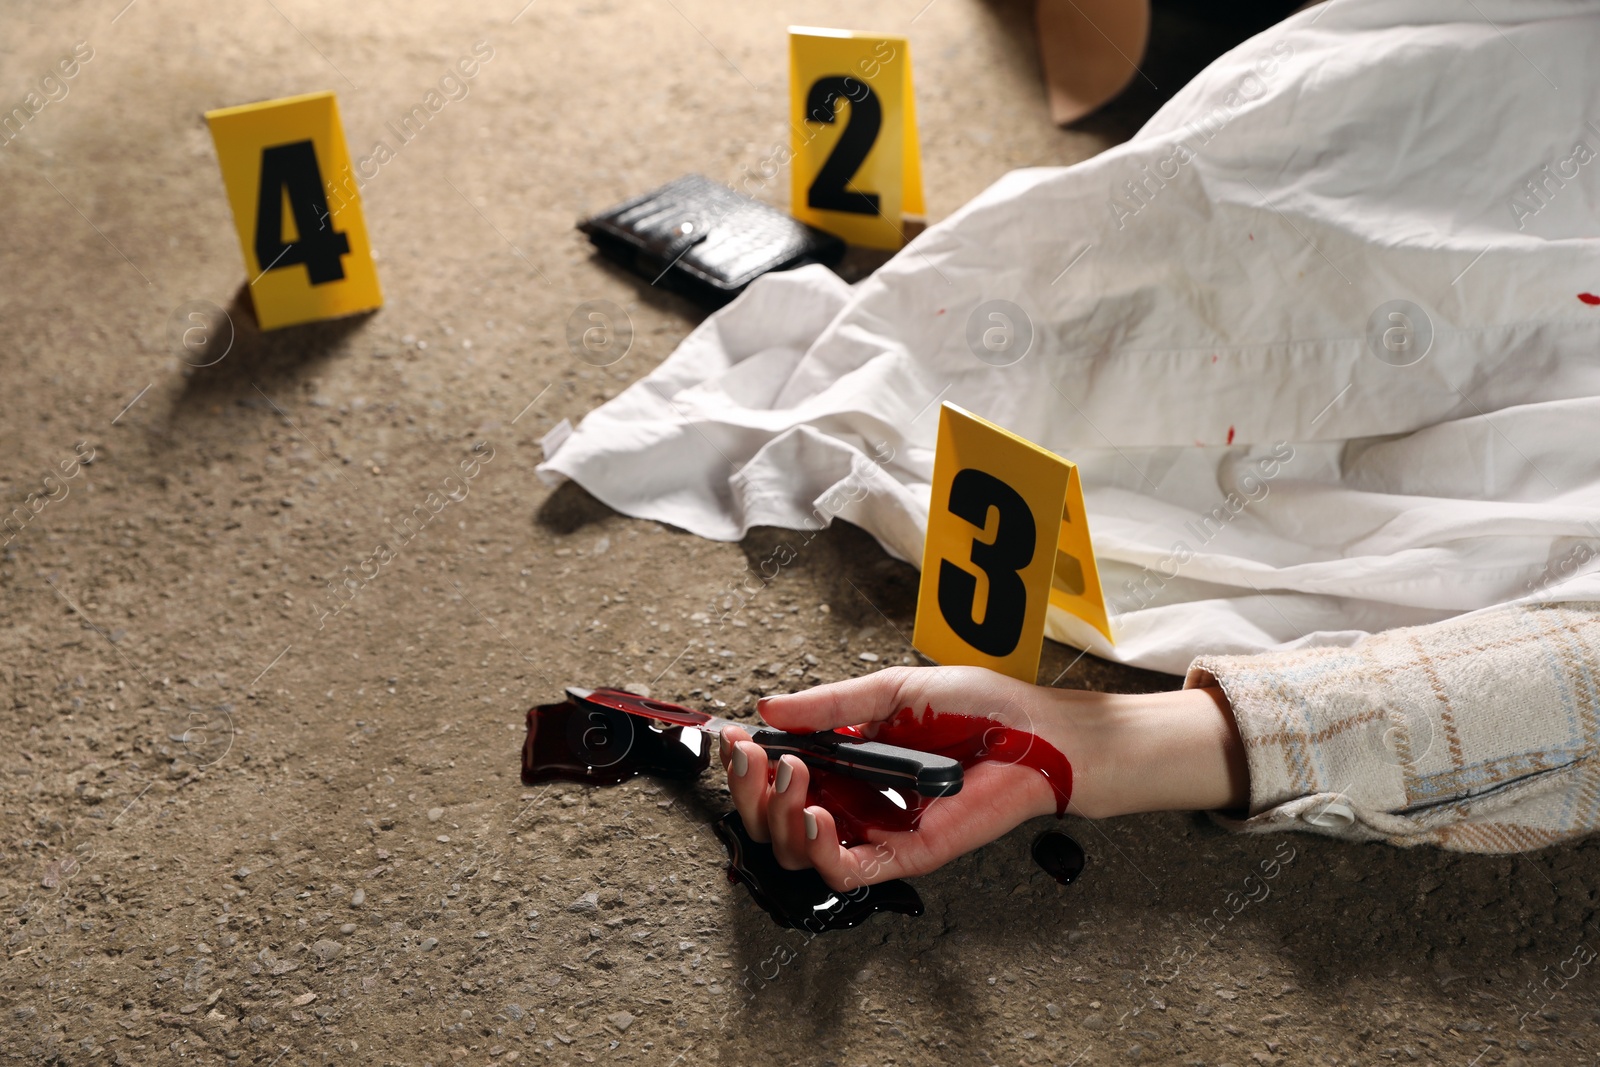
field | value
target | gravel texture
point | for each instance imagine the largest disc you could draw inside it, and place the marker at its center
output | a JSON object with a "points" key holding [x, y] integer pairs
{"points": [[240, 828]]}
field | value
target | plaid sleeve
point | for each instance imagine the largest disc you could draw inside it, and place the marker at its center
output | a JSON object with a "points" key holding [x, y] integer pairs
{"points": [[1478, 733]]}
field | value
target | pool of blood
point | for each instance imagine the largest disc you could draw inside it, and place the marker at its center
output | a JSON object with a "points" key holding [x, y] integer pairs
{"points": [[601, 746], [800, 899], [858, 807]]}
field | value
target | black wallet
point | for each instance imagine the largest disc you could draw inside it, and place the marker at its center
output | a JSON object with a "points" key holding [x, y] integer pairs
{"points": [[705, 240]]}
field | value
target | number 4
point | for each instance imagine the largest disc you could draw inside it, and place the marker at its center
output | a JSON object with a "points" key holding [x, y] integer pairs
{"points": [[289, 171]]}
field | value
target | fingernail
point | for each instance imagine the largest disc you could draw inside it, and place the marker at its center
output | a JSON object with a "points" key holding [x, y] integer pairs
{"points": [[785, 772], [811, 826], [741, 762]]}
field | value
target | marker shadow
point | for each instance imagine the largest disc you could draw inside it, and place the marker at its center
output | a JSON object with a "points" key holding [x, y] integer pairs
{"points": [[224, 370]]}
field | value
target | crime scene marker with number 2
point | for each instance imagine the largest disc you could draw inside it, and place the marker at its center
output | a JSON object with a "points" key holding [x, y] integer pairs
{"points": [[857, 169]]}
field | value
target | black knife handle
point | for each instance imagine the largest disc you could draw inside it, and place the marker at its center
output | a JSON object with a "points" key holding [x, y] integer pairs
{"points": [[926, 773]]}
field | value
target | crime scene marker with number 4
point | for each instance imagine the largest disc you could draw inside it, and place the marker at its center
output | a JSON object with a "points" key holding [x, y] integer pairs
{"points": [[857, 167], [1007, 539], [305, 252]]}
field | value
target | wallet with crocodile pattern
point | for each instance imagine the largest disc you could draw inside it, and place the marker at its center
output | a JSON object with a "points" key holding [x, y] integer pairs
{"points": [[705, 240]]}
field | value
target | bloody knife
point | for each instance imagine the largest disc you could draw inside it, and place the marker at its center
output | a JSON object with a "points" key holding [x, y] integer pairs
{"points": [[926, 773]]}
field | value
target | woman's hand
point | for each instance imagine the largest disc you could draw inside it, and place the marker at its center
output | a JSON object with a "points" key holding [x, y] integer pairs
{"points": [[994, 797], [1128, 753]]}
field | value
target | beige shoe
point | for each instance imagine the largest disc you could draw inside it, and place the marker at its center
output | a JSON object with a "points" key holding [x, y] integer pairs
{"points": [[1090, 50]]}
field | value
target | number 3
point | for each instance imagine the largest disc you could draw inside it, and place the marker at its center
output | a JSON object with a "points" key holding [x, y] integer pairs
{"points": [[292, 169], [972, 494], [828, 192]]}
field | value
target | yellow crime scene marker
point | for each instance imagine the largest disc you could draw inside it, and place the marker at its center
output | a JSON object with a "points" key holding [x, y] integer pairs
{"points": [[1007, 538], [297, 210], [857, 166]]}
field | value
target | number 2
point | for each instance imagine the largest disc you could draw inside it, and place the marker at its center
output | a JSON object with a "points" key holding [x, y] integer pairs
{"points": [[972, 494], [292, 169], [828, 190]]}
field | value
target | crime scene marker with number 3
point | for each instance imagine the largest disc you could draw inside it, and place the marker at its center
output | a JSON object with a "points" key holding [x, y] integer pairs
{"points": [[305, 259], [1007, 539]]}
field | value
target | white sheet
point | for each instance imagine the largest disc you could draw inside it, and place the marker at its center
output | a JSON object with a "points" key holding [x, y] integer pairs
{"points": [[1362, 152]]}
